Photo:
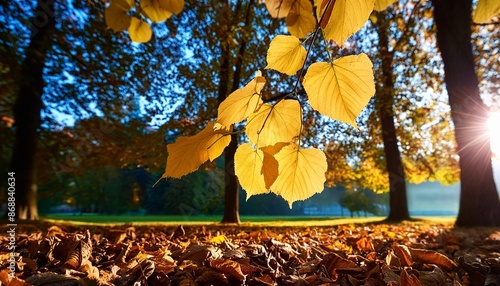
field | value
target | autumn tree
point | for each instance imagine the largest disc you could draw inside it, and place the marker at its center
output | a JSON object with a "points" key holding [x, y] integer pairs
{"points": [[89, 72], [27, 110], [479, 201]]}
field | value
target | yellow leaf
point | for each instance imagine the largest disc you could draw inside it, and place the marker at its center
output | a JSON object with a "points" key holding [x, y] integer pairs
{"points": [[273, 149], [300, 20], [273, 124], [286, 54], [342, 89], [154, 11], [173, 6], [219, 239], [241, 103], [347, 17], [270, 167], [116, 17], [279, 8], [486, 10], [301, 173], [189, 152], [248, 163], [139, 31], [124, 4], [380, 5]]}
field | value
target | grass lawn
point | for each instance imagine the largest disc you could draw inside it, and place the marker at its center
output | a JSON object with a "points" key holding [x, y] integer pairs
{"points": [[215, 219]]}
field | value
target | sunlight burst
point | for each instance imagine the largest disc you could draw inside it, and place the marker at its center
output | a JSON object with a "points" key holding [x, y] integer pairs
{"points": [[494, 131]]}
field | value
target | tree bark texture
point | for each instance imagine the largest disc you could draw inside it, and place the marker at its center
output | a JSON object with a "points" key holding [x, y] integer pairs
{"points": [[27, 110], [231, 194], [479, 201], [398, 202]]}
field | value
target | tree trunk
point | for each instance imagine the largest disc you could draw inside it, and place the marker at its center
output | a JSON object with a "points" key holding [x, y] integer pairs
{"points": [[27, 110], [398, 202], [231, 195], [479, 201]]}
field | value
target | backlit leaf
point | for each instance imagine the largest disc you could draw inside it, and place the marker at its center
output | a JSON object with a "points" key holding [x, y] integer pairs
{"points": [[274, 123], [189, 152], [139, 31], [300, 20], [248, 163], [486, 10], [301, 173], [116, 17], [124, 4], [173, 6], [270, 167], [342, 89], [380, 5], [286, 54], [154, 11], [241, 103], [347, 17], [279, 8]]}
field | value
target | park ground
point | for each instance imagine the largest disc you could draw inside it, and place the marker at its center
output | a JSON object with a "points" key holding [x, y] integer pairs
{"points": [[90, 250]]}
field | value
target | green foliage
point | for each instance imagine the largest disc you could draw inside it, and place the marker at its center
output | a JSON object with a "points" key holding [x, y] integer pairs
{"points": [[357, 201]]}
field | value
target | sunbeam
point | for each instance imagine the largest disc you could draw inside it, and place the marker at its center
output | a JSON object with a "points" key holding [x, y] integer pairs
{"points": [[494, 132]]}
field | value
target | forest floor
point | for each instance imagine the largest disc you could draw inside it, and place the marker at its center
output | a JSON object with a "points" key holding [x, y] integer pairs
{"points": [[376, 253]]}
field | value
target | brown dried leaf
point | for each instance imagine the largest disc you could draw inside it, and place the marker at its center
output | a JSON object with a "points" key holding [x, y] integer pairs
{"points": [[365, 244], [335, 263], [200, 253], [6, 279], [229, 267], [49, 278], [409, 279], [211, 277], [404, 254], [432, 257]]}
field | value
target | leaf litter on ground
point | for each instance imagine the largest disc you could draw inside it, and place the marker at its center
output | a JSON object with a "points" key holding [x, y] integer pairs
{"points": [[363, 254]]}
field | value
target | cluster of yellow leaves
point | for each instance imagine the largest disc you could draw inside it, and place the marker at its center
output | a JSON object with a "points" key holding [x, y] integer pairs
{"points": [[118, 16], [270, 161], [273, 160]]}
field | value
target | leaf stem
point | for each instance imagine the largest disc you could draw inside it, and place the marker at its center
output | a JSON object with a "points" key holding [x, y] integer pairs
{"points": [[309, 48]]}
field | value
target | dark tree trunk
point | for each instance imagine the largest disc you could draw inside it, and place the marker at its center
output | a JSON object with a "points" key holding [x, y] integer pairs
{"points": [[231, 195], [398, 202], [479, 202], [231, 203], [27, 110]]}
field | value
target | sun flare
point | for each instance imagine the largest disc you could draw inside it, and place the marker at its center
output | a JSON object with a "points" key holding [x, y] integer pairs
{"points": [[494, 131]]}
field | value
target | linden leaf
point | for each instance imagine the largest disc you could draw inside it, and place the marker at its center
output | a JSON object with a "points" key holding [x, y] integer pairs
{"points": [[173, 6], [286, 54], [153, 10], [139, 31], [380, 5], [279, 8], [189, 152], [125, 4], [241, 103], [300, 20], [301, 173], [486, 10], [274, 123], [270, 167], [248, 163], [116, 16], [347, 17], [342, 89]]}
